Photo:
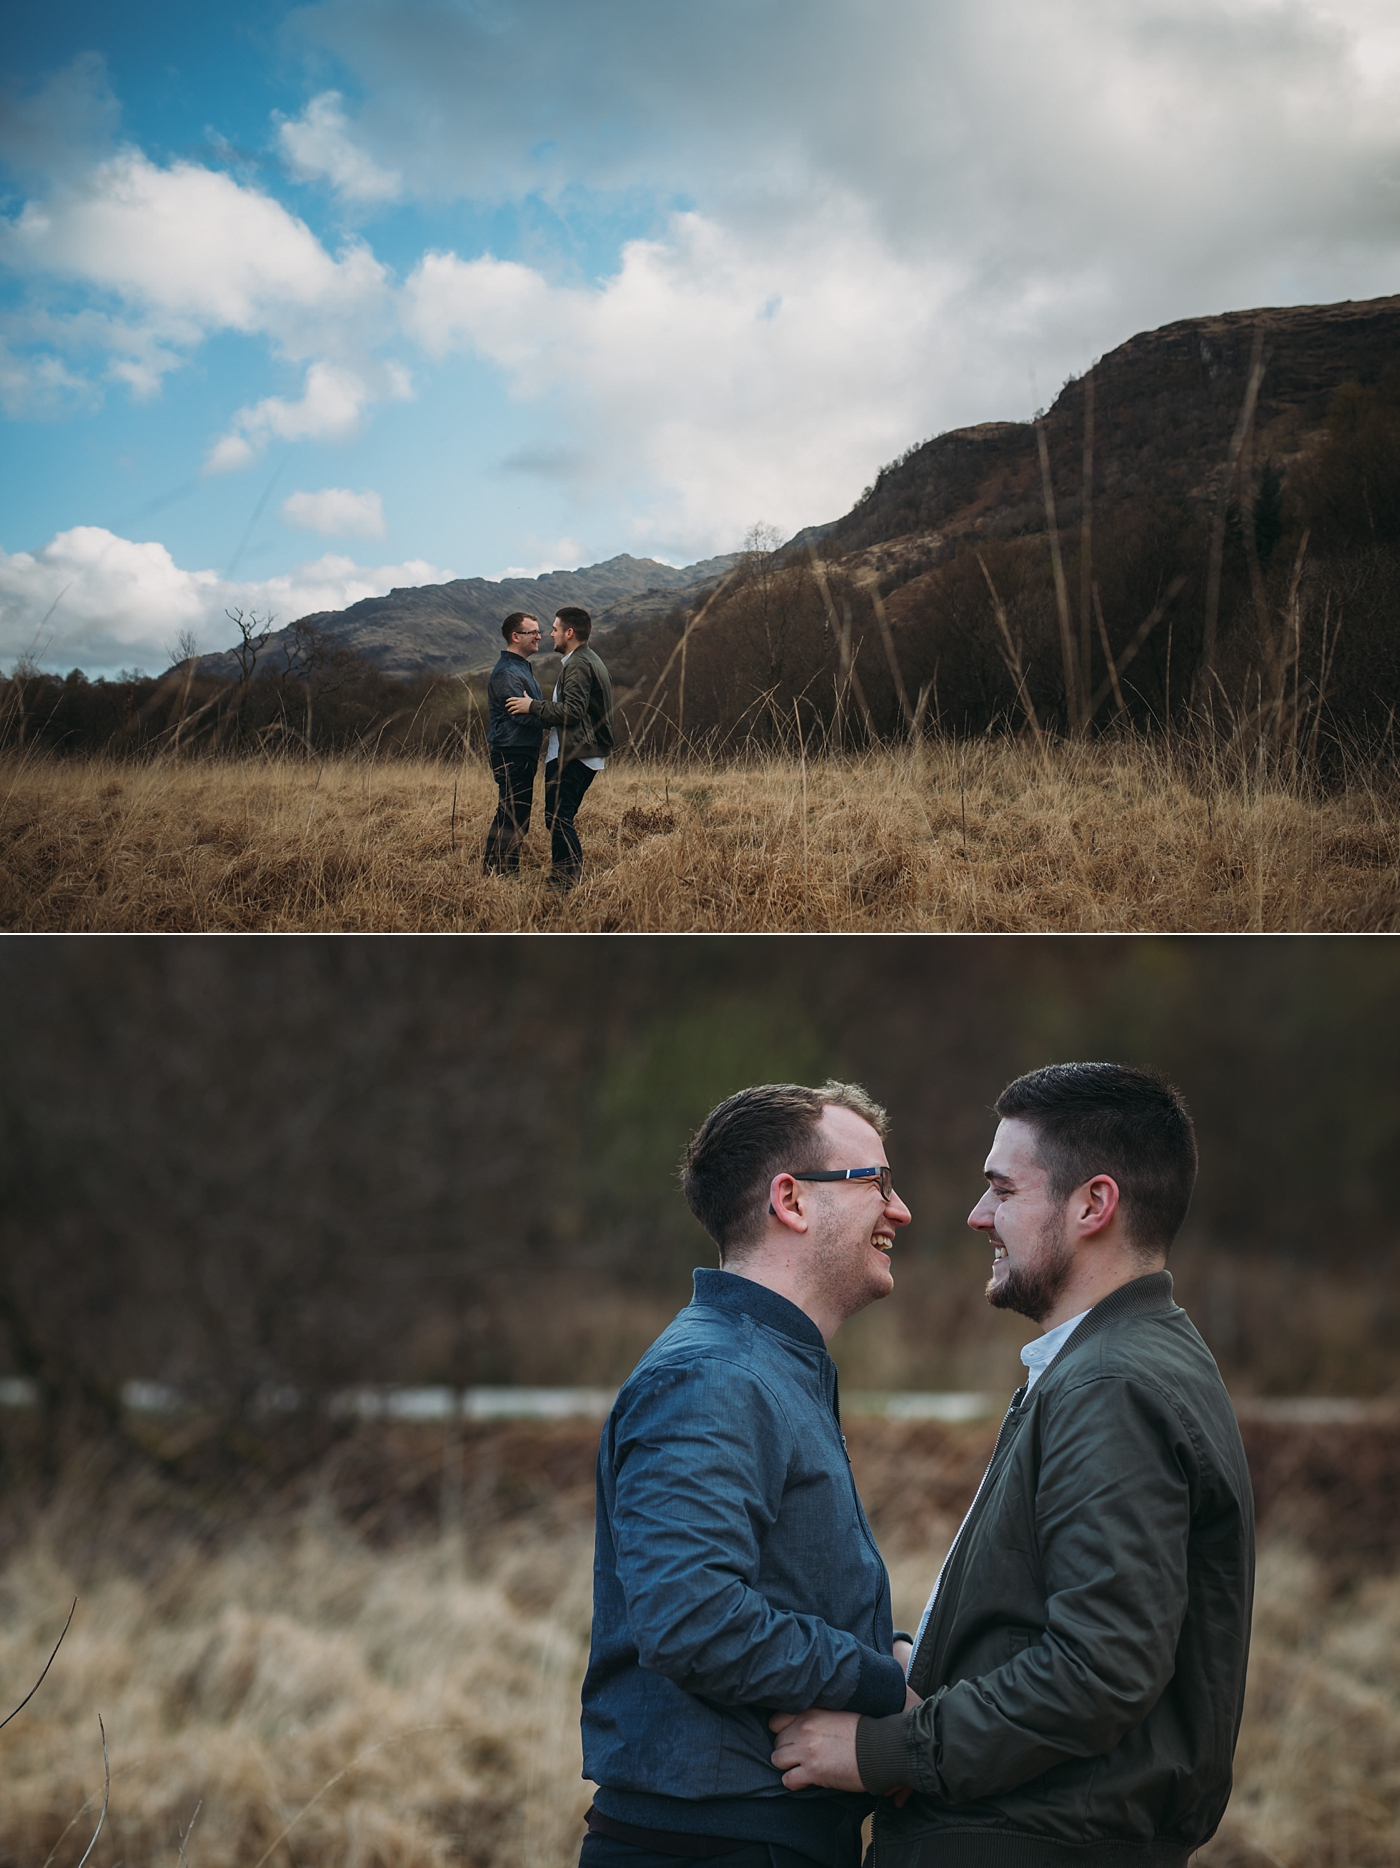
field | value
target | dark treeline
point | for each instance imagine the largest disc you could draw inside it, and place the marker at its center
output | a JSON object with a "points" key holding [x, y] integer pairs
{"points": [[1270, 613], [262, 1171], [327, 699]]}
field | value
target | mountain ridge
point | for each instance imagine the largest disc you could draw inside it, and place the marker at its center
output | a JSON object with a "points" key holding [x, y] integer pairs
{"points": [[455, 628]]}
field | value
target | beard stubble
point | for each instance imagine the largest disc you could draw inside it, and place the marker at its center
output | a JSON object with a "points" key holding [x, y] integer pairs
{"points": [[1033, 1290]]}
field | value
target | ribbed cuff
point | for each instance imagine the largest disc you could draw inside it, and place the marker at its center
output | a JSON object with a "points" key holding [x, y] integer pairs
{"points": [[882, 1754], [880, 1688]]}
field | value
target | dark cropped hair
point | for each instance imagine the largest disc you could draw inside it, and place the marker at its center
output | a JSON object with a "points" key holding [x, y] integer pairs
{"points": [[1112, 1119], [578, 620], [730, 1161], [514, 620]]}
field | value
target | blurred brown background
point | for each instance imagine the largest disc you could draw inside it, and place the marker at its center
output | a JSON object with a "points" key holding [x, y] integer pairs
{"points": [[261, 1170]]}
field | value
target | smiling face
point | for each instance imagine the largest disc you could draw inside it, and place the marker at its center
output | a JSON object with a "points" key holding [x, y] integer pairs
{"points": [[853, 1226], [1032, 1259]]}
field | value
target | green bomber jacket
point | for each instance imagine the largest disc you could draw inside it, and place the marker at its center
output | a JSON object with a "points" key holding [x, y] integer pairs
{"points": [[583, 712], [1082, 1668]]}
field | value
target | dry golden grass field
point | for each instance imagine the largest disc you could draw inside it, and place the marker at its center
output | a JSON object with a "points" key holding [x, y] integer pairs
{"points": [[988, 835], [370, 1679]]}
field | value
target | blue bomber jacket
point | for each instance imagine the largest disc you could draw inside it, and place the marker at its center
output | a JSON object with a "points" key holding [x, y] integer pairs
{"points": [[735, 1575], [517, 735]]}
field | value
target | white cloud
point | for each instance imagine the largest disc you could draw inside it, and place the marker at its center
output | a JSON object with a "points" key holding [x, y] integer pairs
{"points": [[1090, 117], [112, 602], [722, 376], [187, 251], [38, 385], [337, 512], [193, 243], [329, 409], [317, 147]]}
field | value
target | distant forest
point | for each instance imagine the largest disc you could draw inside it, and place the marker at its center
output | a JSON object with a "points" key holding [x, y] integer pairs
{"points": [[1272, 614], [259, 1171]]}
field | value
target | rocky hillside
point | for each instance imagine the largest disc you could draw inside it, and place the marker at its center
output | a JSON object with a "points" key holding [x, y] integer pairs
{"points": [[1165, 405], [455, 628]]}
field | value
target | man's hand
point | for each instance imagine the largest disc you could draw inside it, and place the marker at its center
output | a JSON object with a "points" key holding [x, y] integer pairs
{"points": [[904, 1653], [816, 1748], [517, 703]]}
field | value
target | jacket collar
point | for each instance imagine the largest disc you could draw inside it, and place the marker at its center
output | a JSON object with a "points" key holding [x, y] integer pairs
{"points": [[724, 1290], [1142, 1297]]}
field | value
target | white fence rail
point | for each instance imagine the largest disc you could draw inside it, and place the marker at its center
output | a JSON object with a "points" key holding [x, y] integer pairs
{"points": [[387, 1402]]}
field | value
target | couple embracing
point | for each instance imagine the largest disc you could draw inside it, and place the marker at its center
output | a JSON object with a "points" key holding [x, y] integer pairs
{"points": [[1072, 1694], [579, 718]]}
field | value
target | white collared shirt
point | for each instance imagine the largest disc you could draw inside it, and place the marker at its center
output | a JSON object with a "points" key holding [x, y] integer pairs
{"points": [[1038, 1355], [551, 750]]}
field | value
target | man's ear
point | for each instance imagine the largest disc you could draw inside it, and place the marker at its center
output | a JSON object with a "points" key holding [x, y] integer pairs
{"points": [[785, 1203], [1094, 1205]]}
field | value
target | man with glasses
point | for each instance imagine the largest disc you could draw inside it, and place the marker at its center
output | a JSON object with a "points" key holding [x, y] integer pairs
{"points": [[735, 1573], [512, 743]]}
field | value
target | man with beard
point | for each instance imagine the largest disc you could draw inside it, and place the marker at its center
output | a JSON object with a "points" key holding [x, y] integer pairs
{"points": [[1079, 1669], [735, 1571]]}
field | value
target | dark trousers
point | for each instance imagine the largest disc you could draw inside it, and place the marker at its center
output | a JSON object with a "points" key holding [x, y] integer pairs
{"points": [[514, 773], [563, 794], [603, 1852]]}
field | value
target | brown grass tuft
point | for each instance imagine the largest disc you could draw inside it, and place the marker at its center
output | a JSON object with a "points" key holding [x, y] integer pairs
{"points": [[991, 836]]}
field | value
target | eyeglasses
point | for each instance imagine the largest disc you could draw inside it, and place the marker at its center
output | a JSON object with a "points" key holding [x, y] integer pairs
{"points": [[880, 1175]]}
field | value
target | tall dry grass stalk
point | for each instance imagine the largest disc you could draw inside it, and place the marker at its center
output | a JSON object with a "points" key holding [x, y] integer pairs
{"points": [[987, 835], [321, 1704]]}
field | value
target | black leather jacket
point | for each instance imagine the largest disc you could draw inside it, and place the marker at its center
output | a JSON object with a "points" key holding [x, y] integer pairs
{"points": [[1083, 1665], [509, 732]]}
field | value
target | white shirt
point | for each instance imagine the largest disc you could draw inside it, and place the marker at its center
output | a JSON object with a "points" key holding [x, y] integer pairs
{"points": [[551, 750], [1037, 1357]]}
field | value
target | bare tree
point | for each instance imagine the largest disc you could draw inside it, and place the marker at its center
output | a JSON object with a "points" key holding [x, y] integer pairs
{"points": [[185, 648], [253, 637], [308, 654]]}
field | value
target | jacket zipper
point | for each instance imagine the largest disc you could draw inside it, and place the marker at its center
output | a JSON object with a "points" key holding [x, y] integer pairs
{"points": [[952, 1566]]}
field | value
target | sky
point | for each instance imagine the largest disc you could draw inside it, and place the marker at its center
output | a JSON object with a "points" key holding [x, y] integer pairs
{"points": [[299, 303]]}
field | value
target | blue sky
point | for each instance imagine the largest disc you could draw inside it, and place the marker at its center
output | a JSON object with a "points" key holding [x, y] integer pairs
{"points": [[302, 302]]}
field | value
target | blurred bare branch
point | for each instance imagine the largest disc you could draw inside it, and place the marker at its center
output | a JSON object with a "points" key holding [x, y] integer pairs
{"points": [[47, 1664]]}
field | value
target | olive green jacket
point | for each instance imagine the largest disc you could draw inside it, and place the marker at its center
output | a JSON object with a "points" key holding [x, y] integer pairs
{"points": [[583, 712], [1083, 1666]]}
